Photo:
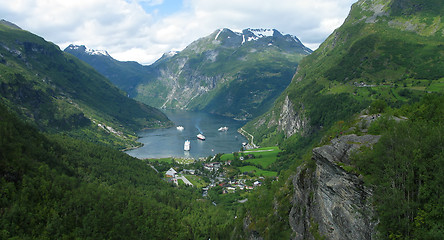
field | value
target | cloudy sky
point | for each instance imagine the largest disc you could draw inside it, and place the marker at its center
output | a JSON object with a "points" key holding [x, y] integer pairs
{"points": [[142, 30]]}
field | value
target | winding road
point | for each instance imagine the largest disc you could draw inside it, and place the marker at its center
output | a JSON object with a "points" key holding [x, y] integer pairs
{"points": [[243, 132]]}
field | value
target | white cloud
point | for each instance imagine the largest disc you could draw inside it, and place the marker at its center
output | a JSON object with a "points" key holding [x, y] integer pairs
{"points": [[128, 32]]}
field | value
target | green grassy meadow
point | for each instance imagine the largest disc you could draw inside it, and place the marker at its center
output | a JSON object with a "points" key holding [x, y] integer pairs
{"points": [[196, 181], [263, 156]]}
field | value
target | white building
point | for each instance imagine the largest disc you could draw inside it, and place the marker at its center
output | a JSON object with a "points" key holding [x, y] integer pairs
{"points": [[171, 173]]}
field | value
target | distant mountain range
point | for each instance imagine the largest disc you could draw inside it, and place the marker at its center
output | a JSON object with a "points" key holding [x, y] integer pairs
{"points": [[125, 75], [58, 93], [236, 74]]}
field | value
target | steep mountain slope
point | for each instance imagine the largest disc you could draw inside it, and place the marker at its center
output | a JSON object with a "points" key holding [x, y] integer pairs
{"points": [[389, 50], [236, 74], [125, 75], [227, 73], [57, 92], [373, 176], [57, 187]]}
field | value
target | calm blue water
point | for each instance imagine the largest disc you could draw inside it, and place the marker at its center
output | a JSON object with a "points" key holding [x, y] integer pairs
{"points": [[161, 143]]}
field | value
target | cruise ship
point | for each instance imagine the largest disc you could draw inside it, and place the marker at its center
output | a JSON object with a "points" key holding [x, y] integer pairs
{"points": [[200, 136], [186, 146], [223, 129]]}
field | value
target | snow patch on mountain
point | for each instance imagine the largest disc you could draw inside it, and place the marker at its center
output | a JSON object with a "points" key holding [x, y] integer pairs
{"points": [[254, 38], [96, 52], [171, 53], [88, 50], [215, 38], [260, 33], [295, 39], [73, 47]]}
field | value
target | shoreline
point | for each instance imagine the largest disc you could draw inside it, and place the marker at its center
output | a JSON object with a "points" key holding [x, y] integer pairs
{"points": [[243, 133]]}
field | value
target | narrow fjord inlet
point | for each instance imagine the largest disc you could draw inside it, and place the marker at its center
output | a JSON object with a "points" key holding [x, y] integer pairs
{"points": [[169, 142]]}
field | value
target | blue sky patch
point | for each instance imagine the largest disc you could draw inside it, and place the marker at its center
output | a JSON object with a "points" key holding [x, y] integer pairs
{"points": [[168, 7]]}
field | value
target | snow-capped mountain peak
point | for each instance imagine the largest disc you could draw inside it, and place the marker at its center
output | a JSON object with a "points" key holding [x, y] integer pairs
{"points": [[88, 50], [96, 52]]}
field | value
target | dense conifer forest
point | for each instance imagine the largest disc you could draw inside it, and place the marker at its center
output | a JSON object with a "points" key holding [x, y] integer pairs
{"points": [[57, 187]]}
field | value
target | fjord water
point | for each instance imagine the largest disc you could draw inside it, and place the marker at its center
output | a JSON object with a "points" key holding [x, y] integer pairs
{"points": [[162, 143]]}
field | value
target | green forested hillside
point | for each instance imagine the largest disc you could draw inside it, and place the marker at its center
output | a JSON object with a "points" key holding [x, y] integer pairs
{"points": [[388, 50], [57, 187], [57, 92], [407, 169], [387, 55], [404, 169]]}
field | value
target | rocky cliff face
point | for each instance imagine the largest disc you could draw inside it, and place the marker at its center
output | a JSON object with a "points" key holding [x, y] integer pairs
{"points": [[329, 201], [291, 121]]}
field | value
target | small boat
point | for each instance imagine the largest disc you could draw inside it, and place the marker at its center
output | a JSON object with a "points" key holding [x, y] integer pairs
{"points": [[223, 129], [186, 146], [180, 128], [200, 136]]}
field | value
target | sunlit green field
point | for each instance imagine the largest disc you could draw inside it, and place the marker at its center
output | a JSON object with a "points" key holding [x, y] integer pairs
{"points": [[263, 156]]}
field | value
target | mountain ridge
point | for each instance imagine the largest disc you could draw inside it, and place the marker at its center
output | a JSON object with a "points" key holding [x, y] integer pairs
{"points": [[57, 92], [224, 71], [253, 66], [367, 58], [378, 76]]}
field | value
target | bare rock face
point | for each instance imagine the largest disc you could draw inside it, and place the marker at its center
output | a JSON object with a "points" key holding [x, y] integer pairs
{"points": [[291, 121], [329, 201]]}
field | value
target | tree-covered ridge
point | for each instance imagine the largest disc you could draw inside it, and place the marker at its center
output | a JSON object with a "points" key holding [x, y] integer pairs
{"points": [[58, 187], [57, 92], [406, 168], [384, 50]]}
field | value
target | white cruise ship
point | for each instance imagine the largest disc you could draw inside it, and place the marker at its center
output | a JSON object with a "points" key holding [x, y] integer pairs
{"points": [[186, 146], [200, 136], [223, 129]]}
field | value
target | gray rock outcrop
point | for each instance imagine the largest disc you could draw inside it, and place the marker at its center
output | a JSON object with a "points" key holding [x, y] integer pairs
{"points": [[291, 121], [329, 201]]}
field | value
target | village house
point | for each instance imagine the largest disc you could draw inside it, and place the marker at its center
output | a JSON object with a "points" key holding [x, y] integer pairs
{"points": [[171, 173], [212, 166], [231, 189], [208, 166]]}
